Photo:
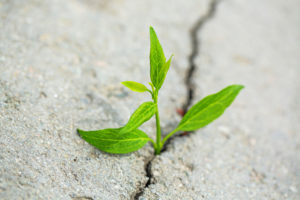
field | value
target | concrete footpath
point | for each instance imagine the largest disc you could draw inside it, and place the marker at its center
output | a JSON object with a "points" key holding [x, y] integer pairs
{"points": [[61, 64]]}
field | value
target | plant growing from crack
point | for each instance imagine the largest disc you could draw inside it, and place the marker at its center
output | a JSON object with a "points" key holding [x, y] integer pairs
{"points": [[129, 138]]}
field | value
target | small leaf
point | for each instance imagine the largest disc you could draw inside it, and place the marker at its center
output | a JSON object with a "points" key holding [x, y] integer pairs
{"points": [[135, 86], [152, 86], [163, 72], [113, 141], [157, 58], [142, 114], [208, 109]]}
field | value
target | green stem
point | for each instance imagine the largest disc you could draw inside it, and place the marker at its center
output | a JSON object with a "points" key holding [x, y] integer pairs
{"points": [[150, 92], [158, 131], [158, 135], [168, 136], [152, 141]]}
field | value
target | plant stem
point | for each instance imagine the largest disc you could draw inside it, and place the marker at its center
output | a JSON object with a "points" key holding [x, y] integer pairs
{"points": [[158, 134], [152, 141], [158, 131], [168, 136]]}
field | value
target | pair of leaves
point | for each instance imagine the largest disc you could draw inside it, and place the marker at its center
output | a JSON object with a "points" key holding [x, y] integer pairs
{"points": [[159, 67], [129, 138], [126, 139]]}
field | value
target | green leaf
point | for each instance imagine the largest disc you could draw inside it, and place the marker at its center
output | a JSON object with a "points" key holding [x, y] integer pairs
{"points": [[208, 109], [135, 86], [157, 58], [163, 72], [141, 115], [152, 86], [113, 141]]}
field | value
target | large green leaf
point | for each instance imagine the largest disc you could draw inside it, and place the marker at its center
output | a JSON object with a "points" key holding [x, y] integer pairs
{"points": [[157, 58], [208, 109], [135, 86], [113, 141], [142, 114]]}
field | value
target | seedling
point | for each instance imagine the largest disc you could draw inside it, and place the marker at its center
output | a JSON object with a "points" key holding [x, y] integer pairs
{"points": [[129, 138]]}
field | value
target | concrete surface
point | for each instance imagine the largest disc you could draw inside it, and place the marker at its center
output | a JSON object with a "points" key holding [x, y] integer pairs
{"points": [[252, 151], [61, 64]]}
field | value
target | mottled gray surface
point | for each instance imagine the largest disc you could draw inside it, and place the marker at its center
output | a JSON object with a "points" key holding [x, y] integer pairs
{"points": [[252, 151], [61, 65]]}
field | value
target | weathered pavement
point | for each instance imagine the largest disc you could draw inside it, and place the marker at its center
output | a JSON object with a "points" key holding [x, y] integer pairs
{"points": [[61, 65]]}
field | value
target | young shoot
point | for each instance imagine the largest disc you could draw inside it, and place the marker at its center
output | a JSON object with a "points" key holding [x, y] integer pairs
{"points": [[130, 138]]}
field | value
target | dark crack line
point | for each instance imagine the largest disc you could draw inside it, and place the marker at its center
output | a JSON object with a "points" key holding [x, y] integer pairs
{"points": [[82, 198], [149, 175], [196, 44]]}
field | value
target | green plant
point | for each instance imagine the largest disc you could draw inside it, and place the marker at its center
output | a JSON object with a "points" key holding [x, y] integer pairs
{"points": [[129, 138]]}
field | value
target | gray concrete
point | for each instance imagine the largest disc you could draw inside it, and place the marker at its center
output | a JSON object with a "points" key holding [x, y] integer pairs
{"points": [[252, 151], [61, 65]]}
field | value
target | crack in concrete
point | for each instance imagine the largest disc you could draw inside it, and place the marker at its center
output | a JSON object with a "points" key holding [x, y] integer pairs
{"points": [[196, 44], [195, 41], [82, 198], [149, 175]]}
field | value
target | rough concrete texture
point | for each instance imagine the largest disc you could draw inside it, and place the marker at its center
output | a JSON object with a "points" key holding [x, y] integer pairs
{"points": [[61, 65], [252, 151]]}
